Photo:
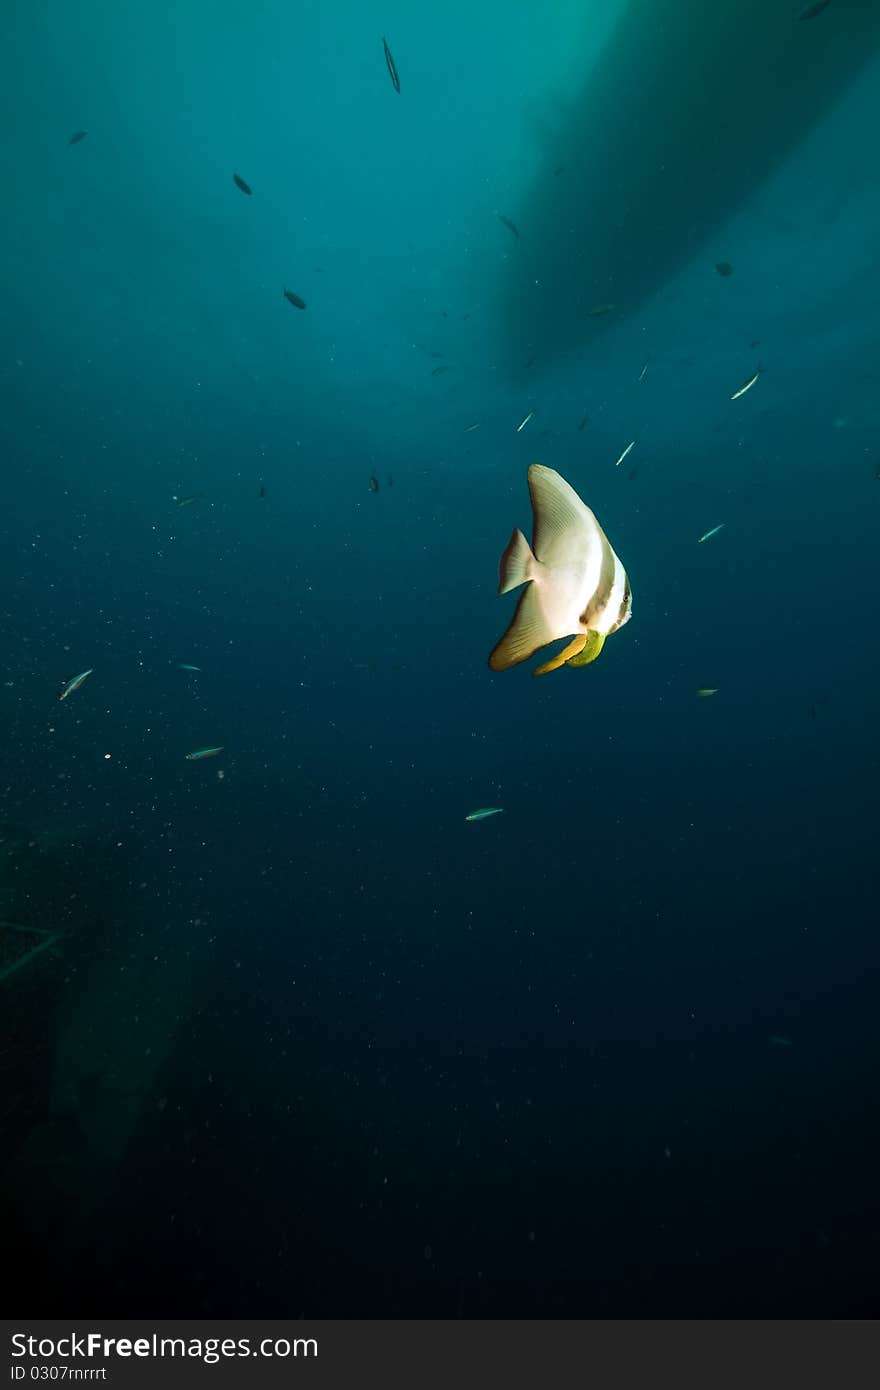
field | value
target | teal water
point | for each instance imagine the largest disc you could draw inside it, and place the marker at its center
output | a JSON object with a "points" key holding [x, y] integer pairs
{"points": [[311, 1040]]}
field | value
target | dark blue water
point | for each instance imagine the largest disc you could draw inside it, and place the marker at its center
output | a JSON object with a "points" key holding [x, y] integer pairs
{"points": [[311, 1042]]}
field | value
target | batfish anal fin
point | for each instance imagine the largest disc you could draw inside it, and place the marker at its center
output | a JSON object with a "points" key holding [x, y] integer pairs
{"points": [[528, 632]]}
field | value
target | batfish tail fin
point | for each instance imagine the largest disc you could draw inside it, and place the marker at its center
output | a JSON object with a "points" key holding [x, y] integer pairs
{"points": [[517, 563]]}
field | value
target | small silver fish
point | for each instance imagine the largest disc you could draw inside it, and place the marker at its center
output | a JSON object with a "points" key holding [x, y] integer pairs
{"points": [[199, 753], [391, 66], [746, 386], [709, 534], [522, 424], [629, 446], [485, 812], [185, 666], [74, 683]]}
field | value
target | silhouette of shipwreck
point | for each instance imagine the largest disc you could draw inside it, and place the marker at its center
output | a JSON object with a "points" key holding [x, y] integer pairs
{"points": [[689, 107]]}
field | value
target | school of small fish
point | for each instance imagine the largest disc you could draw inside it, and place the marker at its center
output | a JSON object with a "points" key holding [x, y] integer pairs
{"points": [[573, 585]]}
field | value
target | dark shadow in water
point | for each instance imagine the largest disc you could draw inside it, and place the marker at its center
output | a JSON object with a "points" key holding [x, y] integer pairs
{"points": [[689, 108]]}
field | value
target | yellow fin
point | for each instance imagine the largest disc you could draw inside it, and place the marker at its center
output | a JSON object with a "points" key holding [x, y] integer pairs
{"points": [[568, 654], [593, 644]]}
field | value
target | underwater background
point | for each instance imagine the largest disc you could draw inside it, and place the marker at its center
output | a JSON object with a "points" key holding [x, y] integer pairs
{"points": [[300, 1039]]}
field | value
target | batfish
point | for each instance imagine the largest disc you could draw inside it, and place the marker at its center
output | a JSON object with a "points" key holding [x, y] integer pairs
{"points": [[576, 586]]}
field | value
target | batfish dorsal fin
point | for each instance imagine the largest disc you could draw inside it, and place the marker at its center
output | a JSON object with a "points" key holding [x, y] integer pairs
{"points": [[528, 632], [562, 522]]}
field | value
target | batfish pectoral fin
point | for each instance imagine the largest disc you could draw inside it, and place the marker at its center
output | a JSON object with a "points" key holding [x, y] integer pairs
{"points": [[592, 645], [568, 654]]}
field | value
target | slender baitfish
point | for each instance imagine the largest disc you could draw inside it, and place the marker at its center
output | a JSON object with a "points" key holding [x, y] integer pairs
{"points": [[810, 13], [485, 812], [522, 424], [74, 683], [391, 65], [196, 757], [709, 534], [746, 386], [629, 446]]}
